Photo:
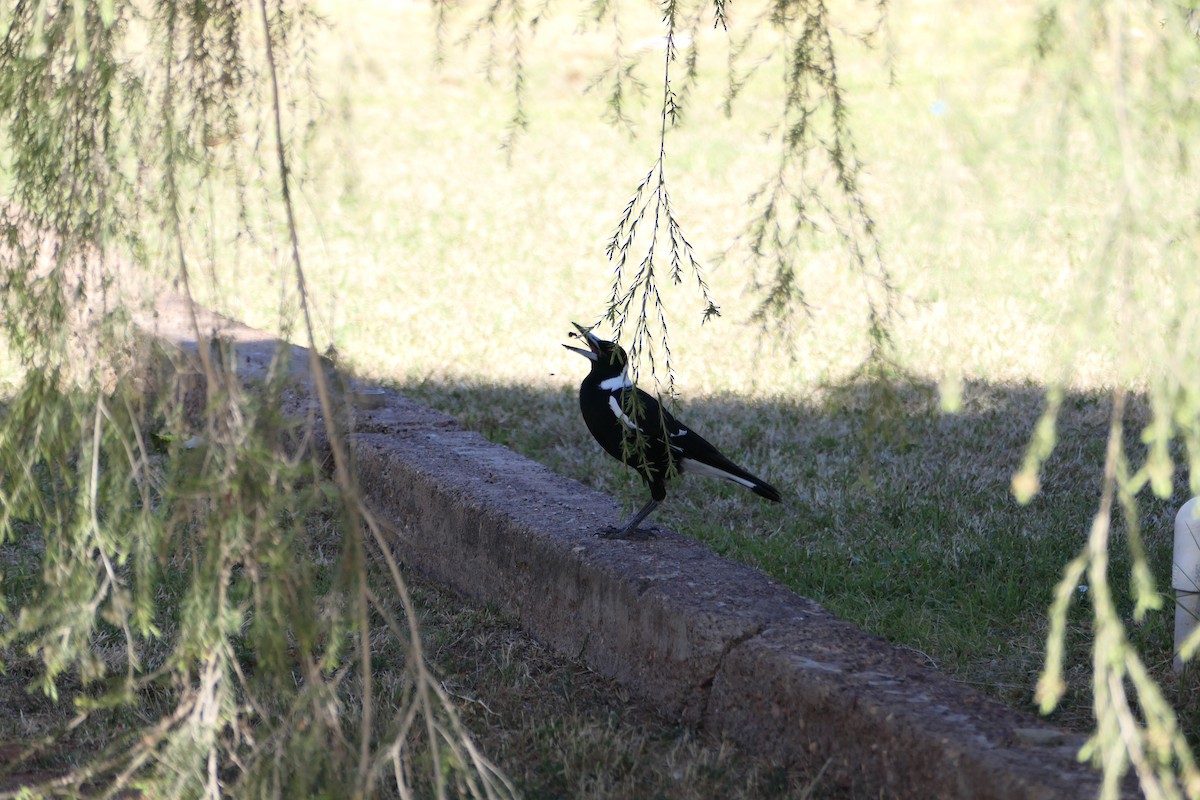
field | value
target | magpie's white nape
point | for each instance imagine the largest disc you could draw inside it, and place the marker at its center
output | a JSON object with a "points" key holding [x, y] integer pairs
{"points": [[635, 429]]}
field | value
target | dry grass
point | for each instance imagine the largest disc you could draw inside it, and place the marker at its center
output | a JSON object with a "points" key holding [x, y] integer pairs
{"points": [[559, 730]]}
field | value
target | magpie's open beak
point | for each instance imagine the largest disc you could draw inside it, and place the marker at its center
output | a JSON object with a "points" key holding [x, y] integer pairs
{"points": [[589, 338]]}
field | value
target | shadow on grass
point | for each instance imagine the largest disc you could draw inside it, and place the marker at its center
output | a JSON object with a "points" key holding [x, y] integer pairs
{"points": [[913, 535]]}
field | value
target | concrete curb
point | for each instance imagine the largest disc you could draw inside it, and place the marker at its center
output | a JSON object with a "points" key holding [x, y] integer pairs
{"points": [[711, 642]]}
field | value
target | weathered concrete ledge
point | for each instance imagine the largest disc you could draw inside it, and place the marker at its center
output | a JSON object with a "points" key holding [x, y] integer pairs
{"points": [[711, 642]]}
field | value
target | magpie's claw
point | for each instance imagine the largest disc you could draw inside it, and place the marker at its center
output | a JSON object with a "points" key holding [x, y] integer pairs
{"points": [[635, 535]]}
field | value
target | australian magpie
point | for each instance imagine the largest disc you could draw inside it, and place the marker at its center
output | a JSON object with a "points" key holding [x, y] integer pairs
{"points": [[634, 429]]}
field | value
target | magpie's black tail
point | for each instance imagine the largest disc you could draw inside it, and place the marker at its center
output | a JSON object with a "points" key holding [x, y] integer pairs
{"points": [[764, 489], [702, 458], [751, 482]]}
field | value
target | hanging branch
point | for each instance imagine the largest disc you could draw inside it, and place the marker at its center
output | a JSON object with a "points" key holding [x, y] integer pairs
{"points": [[816, 153], [507, 27], [636, 300], [195, 563], [483, 779]]}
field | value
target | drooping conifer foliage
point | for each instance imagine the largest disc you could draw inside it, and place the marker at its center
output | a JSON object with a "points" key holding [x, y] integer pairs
{"points": [[163, 573]]}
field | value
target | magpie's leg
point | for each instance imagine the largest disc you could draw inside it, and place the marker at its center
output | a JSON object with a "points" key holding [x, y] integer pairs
{"points": [[630, 529]]}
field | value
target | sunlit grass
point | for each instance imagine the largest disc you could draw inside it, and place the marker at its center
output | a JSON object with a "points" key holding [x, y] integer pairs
{"points": [[434, 253]]}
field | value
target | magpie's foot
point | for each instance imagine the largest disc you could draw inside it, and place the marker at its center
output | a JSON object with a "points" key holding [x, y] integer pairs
{"points": [[636, 535]]}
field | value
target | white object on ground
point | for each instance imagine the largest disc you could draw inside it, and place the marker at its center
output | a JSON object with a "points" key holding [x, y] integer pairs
{"points": [[1185, 574]]}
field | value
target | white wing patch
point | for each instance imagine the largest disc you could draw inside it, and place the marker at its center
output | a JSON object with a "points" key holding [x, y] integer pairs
{"points": [[616, 384], [615, 405], [700, 468], [679, 434]]}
